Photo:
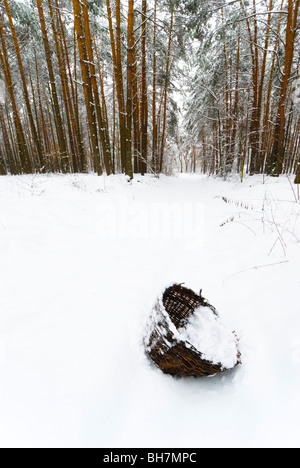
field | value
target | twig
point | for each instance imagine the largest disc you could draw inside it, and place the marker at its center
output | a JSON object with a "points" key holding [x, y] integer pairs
{"points": [[255, 268], [290, 182], [283, 244]]}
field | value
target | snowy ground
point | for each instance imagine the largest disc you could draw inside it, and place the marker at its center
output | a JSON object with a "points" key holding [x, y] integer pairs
{"points": [[82, 261]]}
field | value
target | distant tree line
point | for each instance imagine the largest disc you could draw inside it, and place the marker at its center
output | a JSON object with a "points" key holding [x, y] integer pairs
{"points": [[137, 86], [243, 113], [87, 85]]}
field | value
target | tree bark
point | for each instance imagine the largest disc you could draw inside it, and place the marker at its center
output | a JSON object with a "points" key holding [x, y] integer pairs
{"points": [[144, 93], [34, 132], [130, 78], [87, 84], [57, 114], [155, 156], [165, 91], [81, 162], [25, 161], [65, 87], [103, 129], [116, 48], [278, 151]]}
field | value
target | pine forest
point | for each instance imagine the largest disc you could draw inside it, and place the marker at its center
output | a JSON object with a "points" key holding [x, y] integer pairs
{"points": [[149, 227], [150, 86]]}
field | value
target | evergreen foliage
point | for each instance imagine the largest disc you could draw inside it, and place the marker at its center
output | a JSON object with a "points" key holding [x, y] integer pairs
{"points": [[204, 86]]}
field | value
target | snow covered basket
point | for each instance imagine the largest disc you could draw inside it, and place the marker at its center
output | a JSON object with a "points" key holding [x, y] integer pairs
{"points": [[186, 337]]}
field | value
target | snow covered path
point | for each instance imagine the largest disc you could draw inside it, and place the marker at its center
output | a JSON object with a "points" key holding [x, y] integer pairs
{"points": [[82, 261]]}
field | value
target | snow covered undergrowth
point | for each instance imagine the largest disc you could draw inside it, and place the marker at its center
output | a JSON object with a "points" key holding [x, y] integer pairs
{"points": [[82, 261]]}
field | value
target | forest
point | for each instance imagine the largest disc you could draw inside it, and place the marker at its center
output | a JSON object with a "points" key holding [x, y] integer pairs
{"points": [[150, 86], [149, 225]]}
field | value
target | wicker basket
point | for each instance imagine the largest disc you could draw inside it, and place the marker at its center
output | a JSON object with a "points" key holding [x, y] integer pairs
{"points": [[163, 343]]}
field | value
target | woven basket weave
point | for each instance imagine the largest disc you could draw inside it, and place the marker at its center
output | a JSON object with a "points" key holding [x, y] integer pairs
{"points": [[162, 341]]}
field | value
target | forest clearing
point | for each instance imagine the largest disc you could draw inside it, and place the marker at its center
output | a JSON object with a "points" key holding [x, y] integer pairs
{"points": [[75, 300], [149, 156]]}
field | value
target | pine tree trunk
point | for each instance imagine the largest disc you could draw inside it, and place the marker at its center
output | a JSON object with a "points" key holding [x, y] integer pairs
{"points": [[65, 87], [278, 151], [228, 119], [6, 164], [254, 122], [116, 48], [57, 113], [35, 136], [165, 91], [130, 78], [25, 161], [235, 112], [87, 84], [103, 129], [104, 106], [259, 166], [136, 118], [266, 125], [41, 117], [80, 164], [144, 93], [155, 156]]}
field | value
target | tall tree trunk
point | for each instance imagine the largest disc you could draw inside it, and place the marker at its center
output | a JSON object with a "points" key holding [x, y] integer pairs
{"points": [[41, 116], [65, 86], [165, 91], [120, 87], [155, 156], [57, 114], [103, 129], [25, 161], [228, 115], [259, 164], [54, 152], [103, 99], [116, 48], [136, 117], [81, 162], [8, 164], [144, 93], [254, 123], [87, 83], [266, 119], [130, 77], [235, 111], [36, 139], [278, 151]]}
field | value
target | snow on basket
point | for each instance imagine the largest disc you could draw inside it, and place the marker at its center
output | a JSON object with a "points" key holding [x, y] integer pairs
{"points": [[186, 337]]}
